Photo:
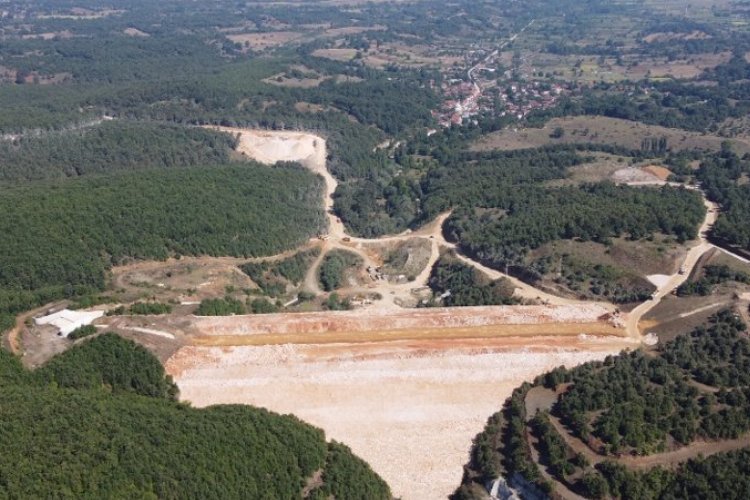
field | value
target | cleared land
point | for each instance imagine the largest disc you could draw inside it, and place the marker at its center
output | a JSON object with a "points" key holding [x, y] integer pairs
{"points": [[410, 408], [266, 40], [603, 130], [368, 326], [407, 390]]}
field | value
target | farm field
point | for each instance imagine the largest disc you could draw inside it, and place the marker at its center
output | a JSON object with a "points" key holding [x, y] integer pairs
{"points": [[603, 130]]}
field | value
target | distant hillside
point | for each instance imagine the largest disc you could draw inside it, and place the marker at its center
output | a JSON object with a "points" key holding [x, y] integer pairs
{"points": [[99, 421]]}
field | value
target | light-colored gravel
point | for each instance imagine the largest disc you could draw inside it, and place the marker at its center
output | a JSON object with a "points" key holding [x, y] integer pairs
{"points": [[410, 409]]}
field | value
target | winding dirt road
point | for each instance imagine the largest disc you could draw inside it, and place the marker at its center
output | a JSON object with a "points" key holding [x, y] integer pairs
{"points": [[691, 260], [310, 150], [269, 147]]}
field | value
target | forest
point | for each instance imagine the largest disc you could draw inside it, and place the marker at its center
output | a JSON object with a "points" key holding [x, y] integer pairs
{"points": [[60, 237], [596, 212], [109, 147], [460, 284], [695, 387], [723, 177], [136, 441]]}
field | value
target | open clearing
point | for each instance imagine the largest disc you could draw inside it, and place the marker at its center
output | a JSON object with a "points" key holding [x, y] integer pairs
{"points": [[407, 391], [409, 408], [266, 40], [603, 130]]}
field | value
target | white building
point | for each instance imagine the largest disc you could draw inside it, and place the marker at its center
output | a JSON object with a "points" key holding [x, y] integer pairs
{"points": [[66, 320]]}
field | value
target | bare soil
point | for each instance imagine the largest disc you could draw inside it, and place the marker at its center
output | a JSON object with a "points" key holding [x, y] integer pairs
{"points": [[409, 408]]}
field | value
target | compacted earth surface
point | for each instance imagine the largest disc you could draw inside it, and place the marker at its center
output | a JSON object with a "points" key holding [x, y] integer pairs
{"points": [[409, 408]]}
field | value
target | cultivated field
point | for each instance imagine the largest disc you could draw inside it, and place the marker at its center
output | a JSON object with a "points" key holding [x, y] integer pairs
{"points": [[603, 130], [265, 40]]}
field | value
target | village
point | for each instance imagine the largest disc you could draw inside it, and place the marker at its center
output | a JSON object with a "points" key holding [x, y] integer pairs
{"points": [[489, 89]]}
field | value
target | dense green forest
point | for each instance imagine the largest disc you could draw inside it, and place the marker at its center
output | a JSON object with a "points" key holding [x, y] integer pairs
{"points": [[100, 420], [111, 146], [463, 285], [636, 403], [60, 237]]}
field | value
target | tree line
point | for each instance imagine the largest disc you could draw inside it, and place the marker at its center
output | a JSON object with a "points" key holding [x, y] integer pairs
{"points": [[630, 404], [102, 418]]}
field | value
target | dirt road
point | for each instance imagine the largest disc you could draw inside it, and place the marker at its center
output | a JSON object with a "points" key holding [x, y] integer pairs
{"points": [[310, 150], [666, 459], [691, 260]]}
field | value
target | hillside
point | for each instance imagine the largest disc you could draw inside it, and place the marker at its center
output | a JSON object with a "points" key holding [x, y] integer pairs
{"points": [[117, 438], [61, 237], [634, 426]]}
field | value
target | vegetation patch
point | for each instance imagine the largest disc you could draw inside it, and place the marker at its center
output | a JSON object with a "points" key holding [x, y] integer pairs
{"points": [[220, 307], [274, 278], [612, 412], [137, 436], [337, 267], [457, 284], [615, 271], [711, 276]]}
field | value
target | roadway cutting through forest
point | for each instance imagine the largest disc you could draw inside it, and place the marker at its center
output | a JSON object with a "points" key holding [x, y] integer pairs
{"points": [[421, 379], [310, 150], [271, 146]]}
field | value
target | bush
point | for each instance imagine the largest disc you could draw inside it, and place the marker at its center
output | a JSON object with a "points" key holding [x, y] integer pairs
{"points": [[220, 307], [81, 332]]}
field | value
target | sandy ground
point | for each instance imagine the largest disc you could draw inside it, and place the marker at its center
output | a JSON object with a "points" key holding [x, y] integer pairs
{"points": [[407, 391], [410, 409], [659, 280]]}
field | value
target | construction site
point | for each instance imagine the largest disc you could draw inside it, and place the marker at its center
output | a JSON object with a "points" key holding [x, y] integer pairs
{"points": [[406, 388]]}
